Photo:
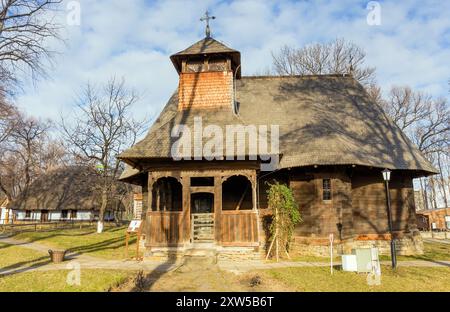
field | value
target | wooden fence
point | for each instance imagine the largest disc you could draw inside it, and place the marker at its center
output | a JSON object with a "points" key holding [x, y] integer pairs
{"points": [[27, 226]]}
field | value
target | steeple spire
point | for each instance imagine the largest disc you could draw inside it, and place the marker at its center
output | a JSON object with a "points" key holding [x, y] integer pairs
{"points": [[206, 18]]}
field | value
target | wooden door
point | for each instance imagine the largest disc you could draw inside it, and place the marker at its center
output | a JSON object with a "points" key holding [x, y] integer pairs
{"points": [[202, 217], [44, 215]]}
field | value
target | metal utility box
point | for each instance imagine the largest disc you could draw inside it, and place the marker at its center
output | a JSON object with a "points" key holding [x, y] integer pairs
{"points": [[366, 259], [349, 263]]}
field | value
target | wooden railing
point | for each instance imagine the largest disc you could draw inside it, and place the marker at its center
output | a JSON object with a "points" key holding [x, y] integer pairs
{"points": [[239, 228], [37, 225], [165, 228]]}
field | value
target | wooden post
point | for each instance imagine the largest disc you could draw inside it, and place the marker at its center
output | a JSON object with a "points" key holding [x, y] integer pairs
{"points": [[149, 196], [218, 208], [158, 197], [186, 200], [137, 244], [276, 232], [127, 237]]}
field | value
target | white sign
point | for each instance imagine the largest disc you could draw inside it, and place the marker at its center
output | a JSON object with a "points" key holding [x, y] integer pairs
{"points": [[134, 225]]}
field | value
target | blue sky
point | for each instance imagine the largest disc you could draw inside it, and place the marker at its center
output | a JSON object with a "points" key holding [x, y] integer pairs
{"points": [[134, 39]]}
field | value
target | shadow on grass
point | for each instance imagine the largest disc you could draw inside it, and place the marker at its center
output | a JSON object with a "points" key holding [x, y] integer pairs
{"points": [[114, 243], [146, 283], [109, 244], [23, 266]]}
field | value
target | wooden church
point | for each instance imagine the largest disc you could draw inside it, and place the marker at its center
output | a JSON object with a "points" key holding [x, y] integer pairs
{"points": [[333, 144]]}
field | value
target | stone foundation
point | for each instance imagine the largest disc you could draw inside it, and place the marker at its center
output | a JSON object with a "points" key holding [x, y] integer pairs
{"points": [[410, 244], [222, 253], [306, 246]]}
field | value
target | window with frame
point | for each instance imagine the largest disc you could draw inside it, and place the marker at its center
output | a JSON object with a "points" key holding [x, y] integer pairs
{"points": [[195, 66], [28, 214], [326, 189], [217, 65]]}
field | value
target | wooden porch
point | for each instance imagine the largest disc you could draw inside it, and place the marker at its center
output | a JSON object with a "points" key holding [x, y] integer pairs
{"points": [[186, 209]]}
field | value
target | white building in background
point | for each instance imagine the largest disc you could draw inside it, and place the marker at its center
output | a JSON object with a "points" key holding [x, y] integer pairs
{"points": [[62, 215], [66, 194], [6, 215]]}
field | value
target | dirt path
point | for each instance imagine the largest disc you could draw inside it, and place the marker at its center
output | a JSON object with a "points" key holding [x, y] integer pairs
{"points": [[85, 261], [202, 275]]}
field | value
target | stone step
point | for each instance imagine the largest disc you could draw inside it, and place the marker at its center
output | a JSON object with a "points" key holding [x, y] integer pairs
{"points": [[200, 253], [200, 256]]}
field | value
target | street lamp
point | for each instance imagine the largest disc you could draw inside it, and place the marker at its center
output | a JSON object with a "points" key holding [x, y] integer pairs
{"points": [[387, 176]]}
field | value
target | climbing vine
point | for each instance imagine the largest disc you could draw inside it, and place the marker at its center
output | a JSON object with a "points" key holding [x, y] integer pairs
{"points": [[285, 216]]}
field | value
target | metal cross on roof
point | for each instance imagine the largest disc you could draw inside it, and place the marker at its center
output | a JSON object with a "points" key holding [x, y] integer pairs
{"points": [[206, 18]]}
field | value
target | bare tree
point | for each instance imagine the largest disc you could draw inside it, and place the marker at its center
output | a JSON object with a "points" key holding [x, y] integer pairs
{"points": [[426, 121], [25, 27], [101, 128], [8, 119], [442, 181], [336, 57], [21, 153], [375, 93], [406, 107]]}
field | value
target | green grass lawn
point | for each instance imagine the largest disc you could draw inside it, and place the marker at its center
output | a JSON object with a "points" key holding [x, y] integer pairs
{"points": [[314, 279], [22, 259], [13, 256], [45, 281], [319, 279], [433, 251], [108, 245]]}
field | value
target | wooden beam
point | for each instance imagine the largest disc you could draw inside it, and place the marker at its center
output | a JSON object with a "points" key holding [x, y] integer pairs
{"points": [[242, 198]]}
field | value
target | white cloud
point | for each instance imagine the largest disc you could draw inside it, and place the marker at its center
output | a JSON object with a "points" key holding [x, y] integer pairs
{"points": [[134, 39]]}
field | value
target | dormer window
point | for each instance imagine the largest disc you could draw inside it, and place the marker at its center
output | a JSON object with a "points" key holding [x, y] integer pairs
{"points": [[195, 66], [217, 65], [207, 65], [207, 71]]}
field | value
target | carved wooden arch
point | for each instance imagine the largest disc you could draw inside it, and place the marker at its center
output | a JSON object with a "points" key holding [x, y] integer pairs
{"points": [[179, 179], [245, 175], [155, 176], [251, 177]]}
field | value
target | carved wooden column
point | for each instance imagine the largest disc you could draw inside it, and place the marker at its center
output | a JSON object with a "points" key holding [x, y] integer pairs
{"points": [[254, 181], [150, 183], [145, 216], [186, 203], [144, 197], [218, 208]]}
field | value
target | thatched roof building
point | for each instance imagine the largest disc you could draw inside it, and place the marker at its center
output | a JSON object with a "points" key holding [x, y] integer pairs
{"points": [[324, 120], [334, 141], [68, 188]]}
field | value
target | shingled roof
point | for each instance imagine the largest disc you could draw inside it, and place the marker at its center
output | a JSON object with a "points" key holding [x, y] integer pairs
{"points": [[207, 45], [72, 187], [324, 120]]}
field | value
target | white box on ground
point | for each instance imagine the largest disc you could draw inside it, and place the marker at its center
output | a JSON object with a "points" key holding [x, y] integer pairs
{"points": [[349, 263]]}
